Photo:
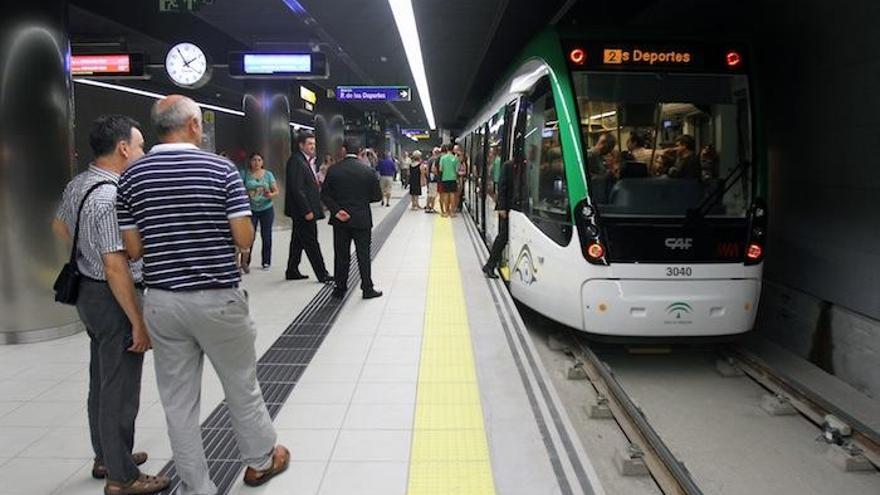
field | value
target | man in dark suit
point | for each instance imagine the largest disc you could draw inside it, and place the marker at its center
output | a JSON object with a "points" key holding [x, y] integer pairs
{"points": [[349, 188], [504, 200], [303, 205]]}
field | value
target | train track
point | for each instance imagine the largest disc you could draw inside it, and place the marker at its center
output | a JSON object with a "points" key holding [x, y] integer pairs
{"points": [[670, 474]]}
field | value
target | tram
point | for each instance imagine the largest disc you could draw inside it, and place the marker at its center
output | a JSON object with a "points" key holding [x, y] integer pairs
{"points": [[637, 196]]}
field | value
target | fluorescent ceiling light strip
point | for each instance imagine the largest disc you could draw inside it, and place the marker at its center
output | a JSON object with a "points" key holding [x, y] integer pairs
{"points": [[295, 6], [405, 19], [149, 94]]}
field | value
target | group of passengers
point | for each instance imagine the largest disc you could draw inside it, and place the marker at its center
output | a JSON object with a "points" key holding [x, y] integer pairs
{"points": [[641, 160], [443, 173]]}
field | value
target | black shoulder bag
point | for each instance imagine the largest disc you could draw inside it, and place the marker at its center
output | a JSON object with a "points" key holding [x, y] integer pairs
{"points": [[67, 284]]}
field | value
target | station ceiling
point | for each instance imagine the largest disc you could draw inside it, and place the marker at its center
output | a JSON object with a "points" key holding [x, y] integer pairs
{"points": [[465, 43]]}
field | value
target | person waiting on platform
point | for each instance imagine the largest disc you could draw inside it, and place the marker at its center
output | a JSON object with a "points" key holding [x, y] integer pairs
{"points": [[387, 168], [303, 205], [503, 202], [349, 189], [687, 163], [433, 176], [109, 305], [417, 179], [261, 188], [461, 175], [192, 304], [448, 181]]}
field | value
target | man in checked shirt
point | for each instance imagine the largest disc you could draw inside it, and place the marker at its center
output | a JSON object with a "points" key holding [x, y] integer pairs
{"points": [[109, 306]]}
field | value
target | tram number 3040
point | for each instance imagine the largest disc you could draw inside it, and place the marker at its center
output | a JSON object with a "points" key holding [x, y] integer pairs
{"points": [[679, 271]]}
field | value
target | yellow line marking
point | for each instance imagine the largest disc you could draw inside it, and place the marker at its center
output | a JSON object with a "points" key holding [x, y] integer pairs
{"points": [[450, 453]]}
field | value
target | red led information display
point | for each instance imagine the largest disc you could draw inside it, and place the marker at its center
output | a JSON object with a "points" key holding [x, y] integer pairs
{"points": [[88, 65]]}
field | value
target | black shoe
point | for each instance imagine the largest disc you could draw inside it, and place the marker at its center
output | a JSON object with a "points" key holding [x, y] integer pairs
{"points": [[490, 272], [338, 293], [372, 294], [326, 278], [295, 276]]}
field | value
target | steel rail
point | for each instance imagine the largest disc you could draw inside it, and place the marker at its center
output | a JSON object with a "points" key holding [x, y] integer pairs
{"points": [[807, 403], [670, 474]]}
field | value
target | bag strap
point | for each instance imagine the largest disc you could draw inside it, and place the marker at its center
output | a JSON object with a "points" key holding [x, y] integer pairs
{"points": [[82, 203]]}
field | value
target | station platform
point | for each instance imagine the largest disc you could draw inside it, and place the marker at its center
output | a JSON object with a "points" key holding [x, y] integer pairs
{"points": [[435, 388]]}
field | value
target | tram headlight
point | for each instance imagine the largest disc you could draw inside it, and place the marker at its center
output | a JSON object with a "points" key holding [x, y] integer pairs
{"points": [[595, 251], [586, 211], [591, 230]]}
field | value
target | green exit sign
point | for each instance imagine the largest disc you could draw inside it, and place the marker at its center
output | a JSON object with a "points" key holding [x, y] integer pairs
{"points": [[176, 6]]}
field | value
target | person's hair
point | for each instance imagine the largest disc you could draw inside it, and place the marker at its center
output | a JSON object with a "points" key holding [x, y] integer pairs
{"points": [[254, 155], [108, 130], [169, 118], [687, 140], [638, 138], [416, 154], [444, 148], [302, 136], [351, 145], [610, 139]]}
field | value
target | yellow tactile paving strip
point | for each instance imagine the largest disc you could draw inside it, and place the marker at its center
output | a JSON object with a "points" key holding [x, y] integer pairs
{"points": [[450, 454]]}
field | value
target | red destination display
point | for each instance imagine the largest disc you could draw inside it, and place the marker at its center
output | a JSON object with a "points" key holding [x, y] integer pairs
{"points": [[90, 65]]}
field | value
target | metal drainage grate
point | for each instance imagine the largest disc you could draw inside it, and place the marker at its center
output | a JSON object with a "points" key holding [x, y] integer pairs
{"points": [[279, 369]]}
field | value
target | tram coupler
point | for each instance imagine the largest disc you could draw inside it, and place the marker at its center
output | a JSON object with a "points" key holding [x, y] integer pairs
{"points": [[728, 368], [777, 405], [631, 462], [577, 371]]}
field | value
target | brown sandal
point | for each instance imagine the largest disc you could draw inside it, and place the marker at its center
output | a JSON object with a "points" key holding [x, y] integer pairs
{"points": [[99, 469], [280, 461], [144, 484]]}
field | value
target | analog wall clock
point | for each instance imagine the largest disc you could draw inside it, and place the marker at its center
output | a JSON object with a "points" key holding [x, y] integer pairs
{"points": [[188, 66]]}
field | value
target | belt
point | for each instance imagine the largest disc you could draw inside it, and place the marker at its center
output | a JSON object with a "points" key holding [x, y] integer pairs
{"points": [[200, 289], [137, 285]]}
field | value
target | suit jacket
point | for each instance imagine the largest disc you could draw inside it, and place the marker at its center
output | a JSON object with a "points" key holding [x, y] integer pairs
{"points": [[351, 186], [302, 194]]}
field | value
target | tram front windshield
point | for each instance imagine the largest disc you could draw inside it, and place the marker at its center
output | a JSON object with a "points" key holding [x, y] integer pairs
{"points": [[661, 144]]}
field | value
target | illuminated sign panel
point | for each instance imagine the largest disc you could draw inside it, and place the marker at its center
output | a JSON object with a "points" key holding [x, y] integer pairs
{"points": [[618, 56], [416, 133], [108, 65], [245, 65], [275, 64], [373, 93], [308, 95], [590, 55]]}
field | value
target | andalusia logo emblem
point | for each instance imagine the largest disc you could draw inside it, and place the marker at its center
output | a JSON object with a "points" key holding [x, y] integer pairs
{"points": [[679, 308]]}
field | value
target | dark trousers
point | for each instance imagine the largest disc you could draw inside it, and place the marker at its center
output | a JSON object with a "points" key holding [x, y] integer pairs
{"points": [[305, 237], [114, 379], [498, 244], [342, 237], [265, 219]]}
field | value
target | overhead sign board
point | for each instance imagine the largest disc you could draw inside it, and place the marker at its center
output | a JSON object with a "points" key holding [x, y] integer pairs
{"points": [[416, 133], [108, 65], [182, 5], [248, 65], [373, 93]]}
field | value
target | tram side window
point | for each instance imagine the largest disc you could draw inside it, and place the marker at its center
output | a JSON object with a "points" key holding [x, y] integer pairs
{"points": [[547, 191]]}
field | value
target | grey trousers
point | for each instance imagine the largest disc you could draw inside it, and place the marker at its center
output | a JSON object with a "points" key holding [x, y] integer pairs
{"points": [[114, 379], [184, 327]]}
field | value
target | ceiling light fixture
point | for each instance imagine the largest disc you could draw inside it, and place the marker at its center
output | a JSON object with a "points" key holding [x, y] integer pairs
{"points": [[405, 19], [150, 94], [295, 6]]}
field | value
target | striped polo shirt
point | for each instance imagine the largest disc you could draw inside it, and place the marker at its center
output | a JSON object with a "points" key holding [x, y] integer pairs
{"points": [[180, 199]]}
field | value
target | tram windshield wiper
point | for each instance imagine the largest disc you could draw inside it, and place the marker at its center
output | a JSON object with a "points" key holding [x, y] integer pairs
{"points": [[709, 202]]}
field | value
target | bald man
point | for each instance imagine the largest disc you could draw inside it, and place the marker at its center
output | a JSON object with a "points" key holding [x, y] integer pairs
{"points": [[185, 211]]}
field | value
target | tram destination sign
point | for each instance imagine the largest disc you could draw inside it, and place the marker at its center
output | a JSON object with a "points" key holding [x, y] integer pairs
{"points": [[648, 56], [373, 93]]}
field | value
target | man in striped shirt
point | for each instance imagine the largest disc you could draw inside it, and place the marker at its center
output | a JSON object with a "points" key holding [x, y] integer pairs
{"points": [[184, 211]]}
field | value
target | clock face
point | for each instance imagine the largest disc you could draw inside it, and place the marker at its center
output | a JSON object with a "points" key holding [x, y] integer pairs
{"points": [[187, 65]]}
